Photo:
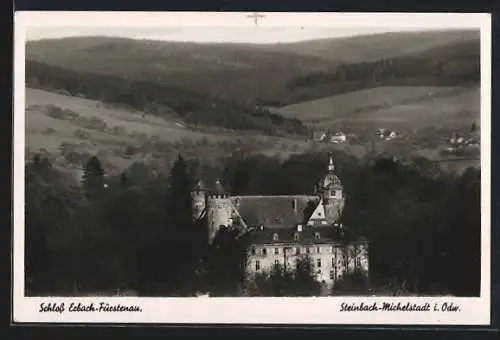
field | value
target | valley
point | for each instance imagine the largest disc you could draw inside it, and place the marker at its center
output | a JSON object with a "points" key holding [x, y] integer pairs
{"points": [[139, 101]]}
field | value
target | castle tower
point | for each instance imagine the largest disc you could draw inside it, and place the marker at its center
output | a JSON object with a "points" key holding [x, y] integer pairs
{"points": [[219, 210], [198, 197], [332, 193]]}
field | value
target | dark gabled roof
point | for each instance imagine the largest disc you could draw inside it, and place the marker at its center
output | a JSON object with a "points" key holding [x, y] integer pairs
{"points": [[326, 234], [275, 211]]}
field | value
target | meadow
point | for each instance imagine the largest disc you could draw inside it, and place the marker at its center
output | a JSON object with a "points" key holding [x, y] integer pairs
{"points": [[391, 107], [70, 129], [58, 125]]}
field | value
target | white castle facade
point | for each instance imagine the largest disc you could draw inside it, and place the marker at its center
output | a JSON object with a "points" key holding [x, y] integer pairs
{"points": [[285, 228]]}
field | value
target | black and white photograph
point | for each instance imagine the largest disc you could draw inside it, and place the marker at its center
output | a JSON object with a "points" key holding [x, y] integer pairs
{"points": [[240, 158]]}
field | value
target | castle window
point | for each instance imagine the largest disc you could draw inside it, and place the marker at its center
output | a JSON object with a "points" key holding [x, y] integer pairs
{"points": [[296, 236], [308, 250], [333, 262], [319, 213], [276, 263], [331, 274], [257, 265], [316, 236], [275, 237], [318, 249], [318, 263], [297, 251], [276, 251], [264, 252], [294, 205], [253, 251]]}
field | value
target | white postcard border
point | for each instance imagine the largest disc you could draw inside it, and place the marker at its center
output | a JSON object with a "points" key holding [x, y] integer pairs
{"points": [[473, 311]]}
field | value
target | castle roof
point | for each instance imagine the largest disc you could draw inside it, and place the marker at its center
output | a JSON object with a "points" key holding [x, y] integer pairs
{"points": [[275, 211]]}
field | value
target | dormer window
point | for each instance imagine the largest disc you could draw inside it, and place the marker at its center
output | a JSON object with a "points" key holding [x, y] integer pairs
{"points": [[296, 236], [275, 237], [264, 252], [316, 236]]}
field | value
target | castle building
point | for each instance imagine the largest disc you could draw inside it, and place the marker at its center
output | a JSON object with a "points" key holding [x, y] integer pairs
{"points": [[282, 229]]}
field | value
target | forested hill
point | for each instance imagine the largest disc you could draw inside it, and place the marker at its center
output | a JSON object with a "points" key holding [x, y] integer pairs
{"points": [[270, 74], [372, 47], [158, 98], [454, 64]]}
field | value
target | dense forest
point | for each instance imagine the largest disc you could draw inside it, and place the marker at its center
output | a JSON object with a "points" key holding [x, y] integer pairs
{"points": [[135, 233], [160, 99]]}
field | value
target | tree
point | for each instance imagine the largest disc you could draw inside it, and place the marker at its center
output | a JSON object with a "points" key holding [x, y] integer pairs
{"points": [[179, 204], [124, 181], [281, 281], [304, 278], [353, 283], [93, 179], [51, 208]]}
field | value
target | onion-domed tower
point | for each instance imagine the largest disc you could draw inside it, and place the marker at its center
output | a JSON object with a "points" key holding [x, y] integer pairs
{"points": [[332, 194]]}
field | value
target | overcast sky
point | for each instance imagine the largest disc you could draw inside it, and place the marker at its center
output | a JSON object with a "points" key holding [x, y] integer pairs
{"points": [[210, 34]]}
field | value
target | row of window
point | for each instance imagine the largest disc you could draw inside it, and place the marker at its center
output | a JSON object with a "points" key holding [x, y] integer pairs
{"points": [[318, 264], [296, 236], [298, 250], [277, 262]]}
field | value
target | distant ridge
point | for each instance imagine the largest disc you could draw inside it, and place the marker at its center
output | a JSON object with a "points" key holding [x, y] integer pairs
{"points": [[267, 74]]}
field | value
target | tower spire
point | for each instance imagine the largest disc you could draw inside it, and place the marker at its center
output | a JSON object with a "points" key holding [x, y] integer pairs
{"points": [[331, 166]]}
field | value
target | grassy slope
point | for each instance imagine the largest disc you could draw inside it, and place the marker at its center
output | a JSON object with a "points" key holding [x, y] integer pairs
{"points": [[105, 142], [391, 107]]}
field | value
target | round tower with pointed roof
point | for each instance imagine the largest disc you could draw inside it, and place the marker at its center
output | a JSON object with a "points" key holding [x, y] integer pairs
{"points": [[198, 197], [219, 210], [332, 193]]}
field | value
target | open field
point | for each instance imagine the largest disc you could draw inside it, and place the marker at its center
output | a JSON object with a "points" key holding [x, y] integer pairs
{"points": [[391, 107], [93, 127], [154, 139]]}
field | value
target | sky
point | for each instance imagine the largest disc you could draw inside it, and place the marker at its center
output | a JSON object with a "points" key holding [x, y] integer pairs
{"points": [[210, 34]]}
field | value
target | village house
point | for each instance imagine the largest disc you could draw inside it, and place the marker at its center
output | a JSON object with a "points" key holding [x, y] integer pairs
{"points": [[336, 138], [282, 229], [386, 134]]}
